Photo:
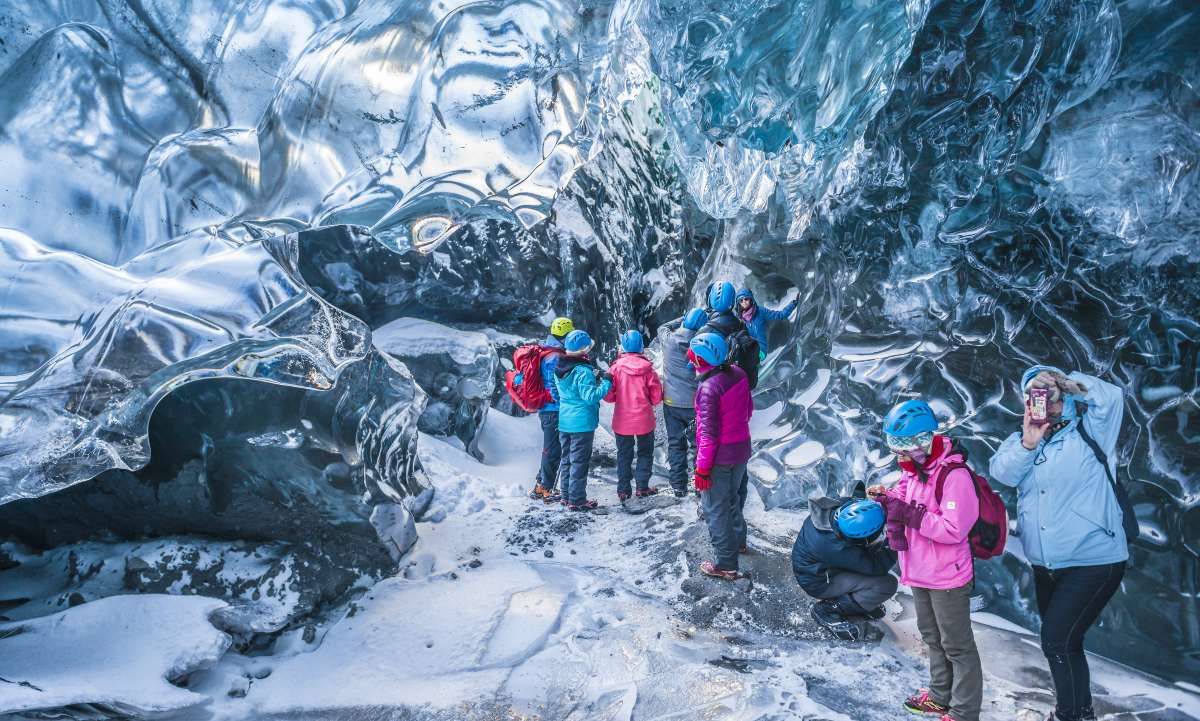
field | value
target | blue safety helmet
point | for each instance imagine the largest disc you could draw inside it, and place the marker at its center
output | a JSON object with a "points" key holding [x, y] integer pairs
{"points": [[910, 418], [695, 319], [720, 296], [578, 341], [709, 347], [859, 520], [631, 342]]}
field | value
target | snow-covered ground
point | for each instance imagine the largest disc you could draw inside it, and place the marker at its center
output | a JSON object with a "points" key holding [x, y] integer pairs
{"points": [[507, 609]]}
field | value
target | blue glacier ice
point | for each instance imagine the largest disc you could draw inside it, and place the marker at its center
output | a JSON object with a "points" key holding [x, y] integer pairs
{"points": [[208, 207]]}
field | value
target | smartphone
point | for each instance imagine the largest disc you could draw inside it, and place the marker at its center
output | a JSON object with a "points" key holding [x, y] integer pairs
{"points": [[1039, 398]]}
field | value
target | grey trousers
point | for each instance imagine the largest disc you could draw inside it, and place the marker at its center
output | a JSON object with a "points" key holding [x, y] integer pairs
{"points": [[868, 592], [722, 506], [955, 673]]}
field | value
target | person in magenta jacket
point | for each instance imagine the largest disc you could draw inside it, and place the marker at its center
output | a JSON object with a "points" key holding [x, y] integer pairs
{"points": [[636, 389], [723, 408], [935, 557]]}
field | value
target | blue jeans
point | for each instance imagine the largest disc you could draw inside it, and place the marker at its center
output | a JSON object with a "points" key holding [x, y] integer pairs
{"points": [[645, 461], [681, 423], [576, 457], [723, 505], [551, 450]]}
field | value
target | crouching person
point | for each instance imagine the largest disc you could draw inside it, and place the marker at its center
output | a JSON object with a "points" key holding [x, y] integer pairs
{"points": [[837, 560]]}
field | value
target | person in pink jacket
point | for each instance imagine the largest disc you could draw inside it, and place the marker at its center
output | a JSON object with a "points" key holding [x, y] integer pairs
{"points": [[930, 533], [636, 389]]}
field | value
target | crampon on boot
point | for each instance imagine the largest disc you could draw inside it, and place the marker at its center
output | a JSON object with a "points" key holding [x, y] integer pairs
{"points": [[643, 492], [585, 506], [831, 616], [920, 702], [538, 493]]}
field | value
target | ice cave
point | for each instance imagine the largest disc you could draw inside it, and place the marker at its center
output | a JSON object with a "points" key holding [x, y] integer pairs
{"points": [[264, 266]]}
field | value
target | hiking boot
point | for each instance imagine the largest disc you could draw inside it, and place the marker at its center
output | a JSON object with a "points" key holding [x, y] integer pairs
{"points": [[538, 493], [585, 506], [552, 496], [708, 568], [622, 497], [921, 703], [831, 616], [643, 492]]}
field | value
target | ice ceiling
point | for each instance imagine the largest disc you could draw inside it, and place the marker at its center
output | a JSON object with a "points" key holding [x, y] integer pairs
{"points": [[958, 189]]}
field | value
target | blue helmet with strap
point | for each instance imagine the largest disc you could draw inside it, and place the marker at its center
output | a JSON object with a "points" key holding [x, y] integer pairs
{"points": [[720, 296], [709, 347], [631, 342], [910, 418], [695, 319], [860, 520]]}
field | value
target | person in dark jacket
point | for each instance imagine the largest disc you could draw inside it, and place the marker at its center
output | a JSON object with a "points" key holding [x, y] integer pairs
{"points": [[756, 317], [547, 476], [836, 559], [679, 397], [721, 318], [723, 409]]}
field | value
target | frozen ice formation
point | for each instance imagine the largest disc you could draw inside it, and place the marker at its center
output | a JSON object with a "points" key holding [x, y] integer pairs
{"points": [[208, 208]]}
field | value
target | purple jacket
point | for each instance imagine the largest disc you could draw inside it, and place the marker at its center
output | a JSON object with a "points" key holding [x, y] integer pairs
{"points": [[723, 408]]}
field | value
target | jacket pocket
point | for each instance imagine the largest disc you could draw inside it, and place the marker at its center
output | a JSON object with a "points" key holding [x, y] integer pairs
{"points": [[1095, 523]]}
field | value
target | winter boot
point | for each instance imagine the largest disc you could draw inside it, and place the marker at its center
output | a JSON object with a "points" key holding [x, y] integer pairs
{"points": [[921, 703], [585, 506], [538, 493], [551, 496], [831, 616], [643, 492], [852, 608], [622, 497]]}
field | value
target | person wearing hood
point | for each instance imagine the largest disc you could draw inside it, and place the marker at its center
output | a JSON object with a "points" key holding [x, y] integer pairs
{"points": [[935, 556], [1069, 516], [679, 397], [756, 317], [547, 477], [581, 386], [837, 560], [635, 391], [723, 408]]}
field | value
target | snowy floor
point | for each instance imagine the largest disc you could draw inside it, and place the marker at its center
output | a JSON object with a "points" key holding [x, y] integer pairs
{"points": [[513, 610]]}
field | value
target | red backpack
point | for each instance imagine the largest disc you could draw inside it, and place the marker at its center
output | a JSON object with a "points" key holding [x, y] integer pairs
{"points": [[529, 392], [990, 532]]}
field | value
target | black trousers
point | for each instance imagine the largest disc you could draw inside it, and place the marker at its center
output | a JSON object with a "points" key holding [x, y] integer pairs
{"points": [[1069, 601]]}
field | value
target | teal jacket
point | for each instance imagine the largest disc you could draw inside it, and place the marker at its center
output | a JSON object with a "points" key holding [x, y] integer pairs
{"points": [[1067, 512], [579, 395]]}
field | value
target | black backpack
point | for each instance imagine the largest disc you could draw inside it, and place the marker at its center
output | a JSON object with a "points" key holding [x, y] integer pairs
{"points": [[743, 353], [1129, 520]]}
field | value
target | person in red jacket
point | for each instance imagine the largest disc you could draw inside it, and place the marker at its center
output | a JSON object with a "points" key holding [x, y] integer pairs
{"points": [[723, 408], [636, 389]]}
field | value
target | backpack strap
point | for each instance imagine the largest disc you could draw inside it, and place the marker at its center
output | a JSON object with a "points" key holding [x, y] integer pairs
{"points": [[1100, 454], [944, 471]]}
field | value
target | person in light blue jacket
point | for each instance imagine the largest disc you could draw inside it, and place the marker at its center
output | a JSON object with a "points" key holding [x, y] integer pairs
{"points": [[1068, 518], [756, 317], [581, 387]]}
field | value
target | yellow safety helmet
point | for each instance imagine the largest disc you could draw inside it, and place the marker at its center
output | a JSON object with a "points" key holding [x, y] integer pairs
{"points": [[561, 327]]}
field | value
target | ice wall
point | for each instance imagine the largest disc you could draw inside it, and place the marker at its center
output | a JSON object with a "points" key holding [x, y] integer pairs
{"points": [[1026, 193], [956, 188]]}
